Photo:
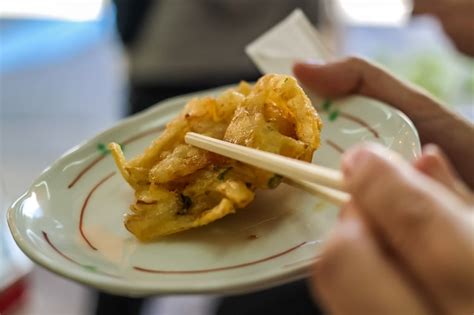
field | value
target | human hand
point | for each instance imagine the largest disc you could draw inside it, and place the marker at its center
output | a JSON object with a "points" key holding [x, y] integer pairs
{"points": [[435, 123], [405, 242], [456, 17]]}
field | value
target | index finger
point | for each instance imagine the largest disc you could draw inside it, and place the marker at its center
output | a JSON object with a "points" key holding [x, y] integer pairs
{"points": [[420, 220]]}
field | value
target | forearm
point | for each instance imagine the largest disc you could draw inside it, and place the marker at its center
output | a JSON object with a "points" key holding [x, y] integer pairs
{"points": [[434, 121], [456, 137], [454, 134]]}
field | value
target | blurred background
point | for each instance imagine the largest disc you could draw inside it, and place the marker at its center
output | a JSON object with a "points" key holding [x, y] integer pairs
{"points": [[71, 68]]}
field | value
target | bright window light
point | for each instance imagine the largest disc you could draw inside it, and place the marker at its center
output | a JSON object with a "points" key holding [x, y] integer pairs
{"points": [[374, 12], [71, 10]]}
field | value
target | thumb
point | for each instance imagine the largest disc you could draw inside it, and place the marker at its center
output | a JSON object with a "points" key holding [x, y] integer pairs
{"points": [[357, 76], [330, 80]]}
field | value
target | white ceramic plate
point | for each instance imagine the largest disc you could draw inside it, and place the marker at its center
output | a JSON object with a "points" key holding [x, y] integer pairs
{"points": [[70, 220]]}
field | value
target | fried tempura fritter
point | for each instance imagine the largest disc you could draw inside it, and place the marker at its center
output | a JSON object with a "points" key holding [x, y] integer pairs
{"points": [[178, 187]]}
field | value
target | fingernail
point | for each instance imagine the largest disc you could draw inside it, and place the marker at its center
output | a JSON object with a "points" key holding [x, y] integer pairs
{"points": [[316, 62], [353, 159], [311, 62], [431, 149], [357, 158]]}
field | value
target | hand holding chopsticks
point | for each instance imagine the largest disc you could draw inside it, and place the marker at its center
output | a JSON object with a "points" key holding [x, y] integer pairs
{"points": [[315, 179]]}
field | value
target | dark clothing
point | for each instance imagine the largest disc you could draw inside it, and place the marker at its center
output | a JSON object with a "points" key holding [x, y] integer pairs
{"points": [[290, 299], [108, 304], [143, 96]]}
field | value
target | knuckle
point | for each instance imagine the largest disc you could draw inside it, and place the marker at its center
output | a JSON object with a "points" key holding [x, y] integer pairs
{"points": [[355, 61]]}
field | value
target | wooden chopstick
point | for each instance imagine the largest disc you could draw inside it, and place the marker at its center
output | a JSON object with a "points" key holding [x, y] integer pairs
{"points": [[333, 195], [284, 166], [271, 162]]}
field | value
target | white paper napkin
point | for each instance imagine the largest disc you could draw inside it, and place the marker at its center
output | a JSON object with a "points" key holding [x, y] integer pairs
{"points": [[293, 39]]}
